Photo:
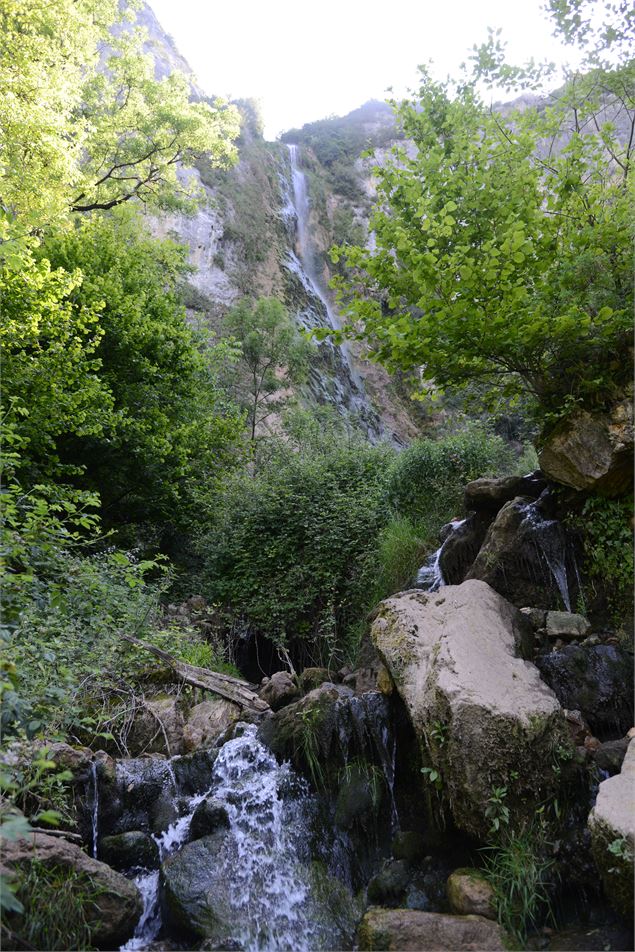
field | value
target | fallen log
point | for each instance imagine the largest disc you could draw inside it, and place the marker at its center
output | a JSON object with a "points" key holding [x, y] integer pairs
{"points": [[240, 692]]}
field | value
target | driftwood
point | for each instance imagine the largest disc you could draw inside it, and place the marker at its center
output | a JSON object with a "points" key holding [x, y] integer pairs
{"points": [[66, 834], [240, 692]]}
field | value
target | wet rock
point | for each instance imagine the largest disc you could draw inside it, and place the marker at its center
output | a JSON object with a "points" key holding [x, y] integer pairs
{"points": [[527, 557], [472, 701], [462, 545], [578, 728], [470, 894], [281, 689], [612, 826], [389, 887], [596, 680], [358, 797], [157, 728], [411, 930], [194, 894], [125, 850], [592, 451], [209, 817], [312, 678], [112, 911], [408, 845], [207, 721], [491, 494], [535, 616], [193, 772], [610, 755], [566, 625]]}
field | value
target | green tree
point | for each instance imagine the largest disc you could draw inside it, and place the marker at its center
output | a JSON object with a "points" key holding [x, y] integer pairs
{"points": [[274, 357], [504, 241]]}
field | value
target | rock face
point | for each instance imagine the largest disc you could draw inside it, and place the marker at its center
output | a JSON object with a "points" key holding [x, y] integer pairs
{"points": [[207, 721], [596, 680], [593, 452], [410, 930], [483, 717], [526, 557], [114, 909], [612, 826], [469, 894]]}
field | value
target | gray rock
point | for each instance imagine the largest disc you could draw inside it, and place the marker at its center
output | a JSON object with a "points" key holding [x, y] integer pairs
{"points": [[566, 625], [612, 826], [195, 897], [491, 494], [470, 894], [610, 755], [281, 689], [209, 817], [411, 930], [207, 721], [484, 715], [462, 545], [114, 909], [592, 451], [125, 850], [312, 678], [157, 728], [596, 680]]}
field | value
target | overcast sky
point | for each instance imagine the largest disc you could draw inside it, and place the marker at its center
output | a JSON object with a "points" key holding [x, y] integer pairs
{"points": [[307, 60]]}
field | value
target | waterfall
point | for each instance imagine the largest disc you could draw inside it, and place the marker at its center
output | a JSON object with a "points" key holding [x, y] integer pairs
{"points": [[344, 388], [430, 577], [550, 541], [95, 807]]}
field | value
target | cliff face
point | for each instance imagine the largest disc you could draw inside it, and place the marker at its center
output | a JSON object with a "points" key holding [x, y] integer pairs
{"points": [[243, 241]]}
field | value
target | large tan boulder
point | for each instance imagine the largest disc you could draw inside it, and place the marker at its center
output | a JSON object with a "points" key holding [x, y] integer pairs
{"points": [[411, 930], [483, 717], [592, 451], [207, 721], [612, 826], [113, 909]]}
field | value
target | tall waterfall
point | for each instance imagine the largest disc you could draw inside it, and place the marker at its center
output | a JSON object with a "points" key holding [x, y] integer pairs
{"points": [[344, 389]]}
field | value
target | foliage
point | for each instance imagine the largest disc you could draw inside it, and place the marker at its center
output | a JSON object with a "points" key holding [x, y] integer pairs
{"points": [[273, 355], [85, 123], [428, 478], [286, 549], [606, 528], [36, 786], [500, 259], [343, 138], [56, 903], [517, 868], [399, 552]]}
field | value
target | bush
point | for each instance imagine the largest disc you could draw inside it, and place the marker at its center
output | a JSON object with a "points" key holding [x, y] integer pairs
{"points": [[287, 551], [606, 527], [428, 479], [401, 549]]}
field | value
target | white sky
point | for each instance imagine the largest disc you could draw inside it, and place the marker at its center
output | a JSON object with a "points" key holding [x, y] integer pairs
{"points": [[307, 60]]}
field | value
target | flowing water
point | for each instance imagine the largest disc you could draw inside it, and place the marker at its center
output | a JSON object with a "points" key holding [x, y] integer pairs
{"points": [[264, 865], [430, 577], [549, 539], [342, 386], [95, 806]]}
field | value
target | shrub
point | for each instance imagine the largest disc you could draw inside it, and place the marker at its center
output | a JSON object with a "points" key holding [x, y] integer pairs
{"points": [[606, 527]]}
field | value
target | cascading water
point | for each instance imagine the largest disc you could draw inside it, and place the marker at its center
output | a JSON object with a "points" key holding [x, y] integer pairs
{"points": [[549, 539], [430, 577], [264, 864], [344, 388], [95, 806]]}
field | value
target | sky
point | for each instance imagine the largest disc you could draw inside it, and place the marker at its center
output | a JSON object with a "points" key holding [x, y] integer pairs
{"points": [[307, 60]]}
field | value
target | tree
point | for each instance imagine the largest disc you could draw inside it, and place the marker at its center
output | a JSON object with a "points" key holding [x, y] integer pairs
{"points": [[504, 241], [83, 122], [273, 355]]}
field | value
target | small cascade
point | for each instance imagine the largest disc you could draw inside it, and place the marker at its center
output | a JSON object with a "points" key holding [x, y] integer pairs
{"points": [[430, 577], [149, 924], [549, 539], [95, 805]]}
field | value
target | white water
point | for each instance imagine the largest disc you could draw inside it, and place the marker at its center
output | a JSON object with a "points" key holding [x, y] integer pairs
{"points": [[95, 808], [264, 863], [549, 539], [430, 577]]}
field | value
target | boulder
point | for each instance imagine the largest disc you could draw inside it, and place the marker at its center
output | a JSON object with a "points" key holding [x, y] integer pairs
{"points": [[281, 689], [312, 678], [610, 755], [596, 680], [470, 894], [195, 895], [491, 494], [209, 817], [389, 886], [526, 556], [566, 625], [612, 826], [111, 912], [126, 850], [157, 728], [461, 546], [592, 452], [207, 721], [411, 930], [482, 714]]}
